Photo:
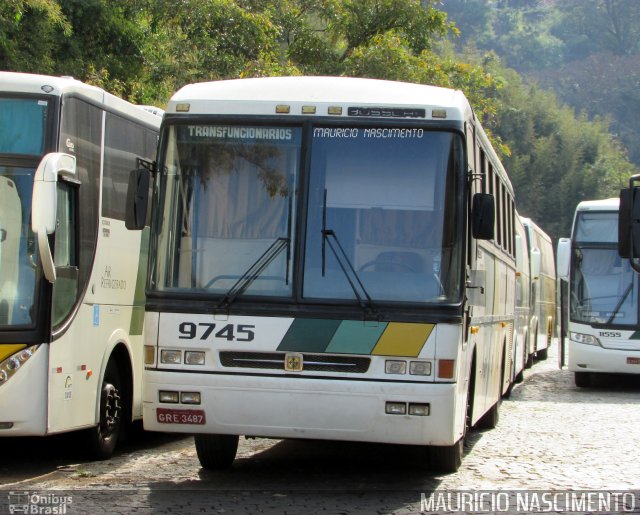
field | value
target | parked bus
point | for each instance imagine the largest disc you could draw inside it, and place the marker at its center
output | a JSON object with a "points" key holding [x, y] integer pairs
{"points": [[71, 275], [603, 295], [330, 258], [543, 290], [523, 331]]}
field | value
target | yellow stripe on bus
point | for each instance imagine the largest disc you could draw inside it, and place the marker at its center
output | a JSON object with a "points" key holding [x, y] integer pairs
{"points": [[8, 350], [403, 339]]}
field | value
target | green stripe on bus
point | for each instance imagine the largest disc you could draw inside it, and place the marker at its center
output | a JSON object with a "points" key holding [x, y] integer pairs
{"points": [[137, 320], [356, 337], [309, 335]]}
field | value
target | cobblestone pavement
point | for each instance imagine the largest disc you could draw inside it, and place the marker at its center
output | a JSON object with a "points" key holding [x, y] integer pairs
{"points": [[552, 436]]}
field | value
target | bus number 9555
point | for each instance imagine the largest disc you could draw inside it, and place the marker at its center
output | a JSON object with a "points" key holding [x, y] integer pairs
{"points": [[229, 332]]}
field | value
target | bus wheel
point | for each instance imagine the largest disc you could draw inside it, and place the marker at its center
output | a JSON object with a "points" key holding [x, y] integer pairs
{"points": [[446, 458], [542, 354], [103, 438], [216, 452], [582, 379]]}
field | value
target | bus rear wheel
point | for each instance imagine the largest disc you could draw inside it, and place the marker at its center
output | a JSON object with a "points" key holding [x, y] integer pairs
{"points": [[216, 452], [103, 438]]}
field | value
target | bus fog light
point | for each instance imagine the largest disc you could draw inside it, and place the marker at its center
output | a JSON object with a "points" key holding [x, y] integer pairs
{"points": [[149, 355], [586, 339], [190, 397], [395, 367], [420, 410], [171, 357], [396, 408], [420, 368], [193, 357], [168, 397]]}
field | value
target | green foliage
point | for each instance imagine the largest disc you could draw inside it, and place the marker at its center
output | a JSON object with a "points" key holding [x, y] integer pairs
{"points": [[557, 158]]}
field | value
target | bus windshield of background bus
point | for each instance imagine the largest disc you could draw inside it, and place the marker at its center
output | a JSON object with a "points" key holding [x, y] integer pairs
{"points": [[604, 288], [22, 126], [17, 248], [228, 193], [388, 196]]}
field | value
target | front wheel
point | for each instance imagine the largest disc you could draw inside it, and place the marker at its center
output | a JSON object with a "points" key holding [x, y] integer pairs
{"points": [[216, 452], [102, 439], [446, 458], [583, 379]]}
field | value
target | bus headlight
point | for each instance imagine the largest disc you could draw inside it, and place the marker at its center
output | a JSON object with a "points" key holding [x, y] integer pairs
{"points": [[394, 366], [192, 357], [170, 357], [586, 339], [13, 363]]}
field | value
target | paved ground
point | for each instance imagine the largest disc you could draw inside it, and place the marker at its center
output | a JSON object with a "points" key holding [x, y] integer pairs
{"points": [[552, 437]]}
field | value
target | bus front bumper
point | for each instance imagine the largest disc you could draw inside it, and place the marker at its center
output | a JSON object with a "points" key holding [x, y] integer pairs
{"points": [[593, 358], [295, 407]]}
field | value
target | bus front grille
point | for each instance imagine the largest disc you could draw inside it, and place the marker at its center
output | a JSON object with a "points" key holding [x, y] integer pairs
{"points": [[311, 362]]}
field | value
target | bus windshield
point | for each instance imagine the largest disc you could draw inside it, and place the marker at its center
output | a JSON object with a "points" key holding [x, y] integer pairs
{"points": [[604, 288], [17, 249], [22, 125], [383, 196]]}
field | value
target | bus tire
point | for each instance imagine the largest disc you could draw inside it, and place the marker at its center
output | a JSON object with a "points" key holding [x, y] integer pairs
{"points": [[582, 379], [543, 354], [102, 439], [446, 458], [216, 452]]}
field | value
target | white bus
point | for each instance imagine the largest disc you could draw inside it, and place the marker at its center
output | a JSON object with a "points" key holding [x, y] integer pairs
{"points": [[543, 290], [603, 295], [71, 275], [327, 262], [523, 311]]}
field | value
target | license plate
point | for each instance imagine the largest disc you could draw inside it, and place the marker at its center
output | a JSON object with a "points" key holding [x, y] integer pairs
{"points": [[180, 416], [633, 361]]}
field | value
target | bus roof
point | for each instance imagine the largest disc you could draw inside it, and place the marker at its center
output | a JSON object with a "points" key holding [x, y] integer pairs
{"points": [[261, 95], [12, 82], [609, 204]]}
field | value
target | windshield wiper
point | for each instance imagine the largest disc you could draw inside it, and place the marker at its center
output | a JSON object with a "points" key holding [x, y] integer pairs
{"points": [[620, 302], [254, 271], [369, 309]]}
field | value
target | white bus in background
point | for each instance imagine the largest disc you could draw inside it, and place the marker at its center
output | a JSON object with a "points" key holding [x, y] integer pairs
{"points": [[71, 275], [523, 311], [603, 295], [543, 290], [331, 258]]}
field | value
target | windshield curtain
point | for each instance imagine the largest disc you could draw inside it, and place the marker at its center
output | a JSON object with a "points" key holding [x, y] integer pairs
{"points": [[17, 249], [228, 195], [387, 196], [23, 123]]}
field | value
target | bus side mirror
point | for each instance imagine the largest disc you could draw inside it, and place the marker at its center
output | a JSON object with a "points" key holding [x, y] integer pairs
{"points": [[44, 204], [483, 212], [563, 258], [629, 221], [137, 199]]}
